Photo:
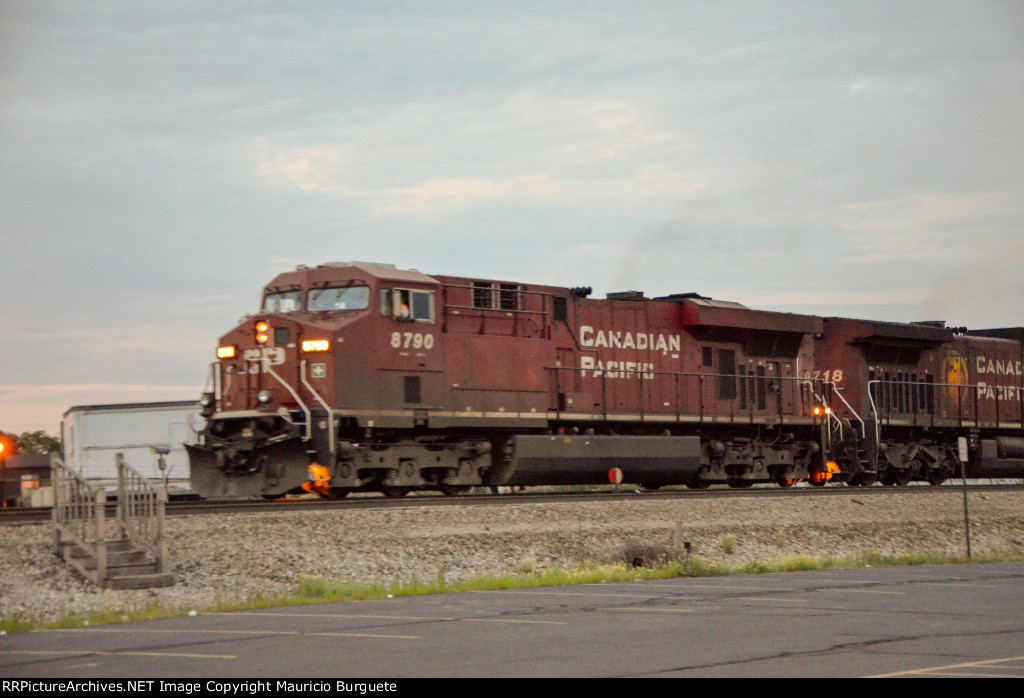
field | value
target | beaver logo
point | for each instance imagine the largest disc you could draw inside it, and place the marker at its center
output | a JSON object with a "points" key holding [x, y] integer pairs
{"points": [[956, 374]]}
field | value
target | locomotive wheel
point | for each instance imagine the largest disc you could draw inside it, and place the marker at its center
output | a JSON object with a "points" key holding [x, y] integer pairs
{"points": [[867, 478], [394, 492], [650, 488], [817, 483], [896, 478], [784, 482], [337, 492], [698, 483], [739, 483], [937, 477], [454, 490]]}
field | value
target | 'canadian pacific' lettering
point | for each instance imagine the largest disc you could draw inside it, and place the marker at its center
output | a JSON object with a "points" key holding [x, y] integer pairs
{"points": [[614, 339], [998, 366], [616, 369]]}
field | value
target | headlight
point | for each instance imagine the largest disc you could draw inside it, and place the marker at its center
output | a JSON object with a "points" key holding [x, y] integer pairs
{"points": [[226, 352], [262, 332], [265, 397]]}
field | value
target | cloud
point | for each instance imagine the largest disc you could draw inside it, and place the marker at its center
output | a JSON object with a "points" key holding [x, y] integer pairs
{"points": [[543, 150], [924, 211], [860, 85], [321, 168], [441, 195]]}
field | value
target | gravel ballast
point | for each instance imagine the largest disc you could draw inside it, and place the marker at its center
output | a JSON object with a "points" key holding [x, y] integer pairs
{"points": [[231, 558]]}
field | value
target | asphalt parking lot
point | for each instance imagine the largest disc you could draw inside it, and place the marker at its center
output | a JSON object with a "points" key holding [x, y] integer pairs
{"points": [[950, 620]]}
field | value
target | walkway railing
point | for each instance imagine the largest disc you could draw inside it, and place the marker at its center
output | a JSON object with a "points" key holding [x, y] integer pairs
{"points": [[140, 512], [79, 520], [83, 535]]}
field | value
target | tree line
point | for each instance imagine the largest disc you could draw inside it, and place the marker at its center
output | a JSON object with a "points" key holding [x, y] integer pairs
{"points": [[35, 442]]}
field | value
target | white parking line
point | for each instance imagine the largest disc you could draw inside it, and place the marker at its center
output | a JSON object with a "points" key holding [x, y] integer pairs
{"points": [[371, 616], [91, 653], [942, 670], [644, 609], [840, 590], [182, 631], [552, 592]]}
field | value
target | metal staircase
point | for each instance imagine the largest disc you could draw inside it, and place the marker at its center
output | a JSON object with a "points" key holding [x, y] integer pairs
{"points": [[126, 551]]}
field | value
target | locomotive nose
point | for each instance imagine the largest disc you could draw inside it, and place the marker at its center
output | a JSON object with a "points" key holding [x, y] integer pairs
{"points": [[252, 472]]}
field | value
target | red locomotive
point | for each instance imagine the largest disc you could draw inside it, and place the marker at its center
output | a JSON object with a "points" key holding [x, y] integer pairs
{"points": [[366, 377]]}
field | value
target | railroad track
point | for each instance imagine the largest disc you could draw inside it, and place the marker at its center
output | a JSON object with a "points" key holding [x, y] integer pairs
{"points": [[373, 501]]}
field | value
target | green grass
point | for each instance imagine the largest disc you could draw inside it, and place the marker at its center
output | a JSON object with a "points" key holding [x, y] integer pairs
{"points": [[643, 564]]}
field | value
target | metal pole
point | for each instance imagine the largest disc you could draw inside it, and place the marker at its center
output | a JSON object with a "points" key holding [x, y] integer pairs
{"points": [[963, 480]]}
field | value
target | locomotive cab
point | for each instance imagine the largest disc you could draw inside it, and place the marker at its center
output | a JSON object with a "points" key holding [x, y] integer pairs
{"points": [[285, 378]]}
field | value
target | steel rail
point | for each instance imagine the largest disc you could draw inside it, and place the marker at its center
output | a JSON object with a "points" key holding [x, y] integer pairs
{"points": [[432, 499]]}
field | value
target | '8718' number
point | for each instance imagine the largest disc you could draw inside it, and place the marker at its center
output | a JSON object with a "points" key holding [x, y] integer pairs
{"points": [[412, 340], [832, 376]]}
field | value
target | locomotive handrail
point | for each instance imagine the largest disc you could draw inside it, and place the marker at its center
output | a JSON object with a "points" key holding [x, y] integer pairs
{"points": [[510, 311], [212, 383], [644, 375], [961, 389], [229, 372], [839, 394], [450, 309], [295, 396], [330, 412], [829, 416], [962, 416]]}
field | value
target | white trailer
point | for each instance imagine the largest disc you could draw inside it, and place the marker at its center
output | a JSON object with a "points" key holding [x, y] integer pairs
{"points": [[149, 434]]}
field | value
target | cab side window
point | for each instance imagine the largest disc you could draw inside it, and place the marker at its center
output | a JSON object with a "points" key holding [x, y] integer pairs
{"points": [[408, 305]]}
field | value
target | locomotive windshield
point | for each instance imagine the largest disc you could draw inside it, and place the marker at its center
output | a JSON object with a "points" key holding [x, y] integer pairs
{"points": [[347, 298], [285, 302]]}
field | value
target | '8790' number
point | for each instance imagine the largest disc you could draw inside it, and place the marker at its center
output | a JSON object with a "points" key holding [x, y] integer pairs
{"points": [[412, 340]]}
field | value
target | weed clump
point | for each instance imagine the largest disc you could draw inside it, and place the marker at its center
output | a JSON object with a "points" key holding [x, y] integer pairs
{"points": [[647, 555]]}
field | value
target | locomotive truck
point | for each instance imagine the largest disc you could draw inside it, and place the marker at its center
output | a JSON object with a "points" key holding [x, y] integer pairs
{"points": [[365, 377]]}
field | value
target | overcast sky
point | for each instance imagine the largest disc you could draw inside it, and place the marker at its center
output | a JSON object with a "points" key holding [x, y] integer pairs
{"points": [[161, 161]]}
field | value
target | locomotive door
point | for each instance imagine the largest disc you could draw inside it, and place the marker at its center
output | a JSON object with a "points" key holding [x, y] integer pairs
{"points": [[568, 394], [665, 388], [623, 387], [788, 387], [640, 368], [757, 390], [610, 355], [772, 392]]}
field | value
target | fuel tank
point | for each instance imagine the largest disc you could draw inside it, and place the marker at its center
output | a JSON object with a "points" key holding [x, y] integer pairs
{"points": [[1002, 457], [570, 459]]}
